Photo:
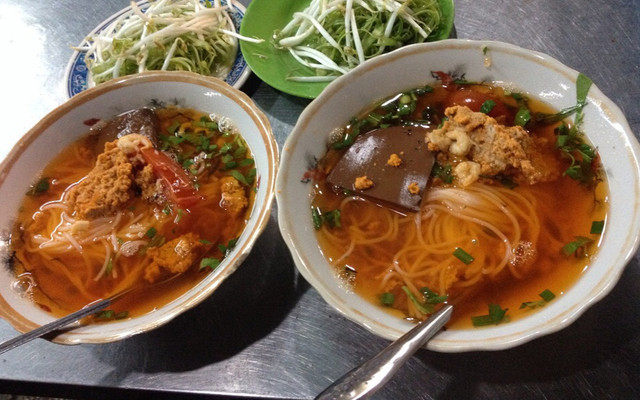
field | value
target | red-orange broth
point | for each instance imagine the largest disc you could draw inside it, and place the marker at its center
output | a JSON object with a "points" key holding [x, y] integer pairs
{"points": [[565, 209], [65, 281]]}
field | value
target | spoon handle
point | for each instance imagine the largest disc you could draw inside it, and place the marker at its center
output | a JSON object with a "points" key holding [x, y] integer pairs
{"points": [[364, 380], [57, 324]]}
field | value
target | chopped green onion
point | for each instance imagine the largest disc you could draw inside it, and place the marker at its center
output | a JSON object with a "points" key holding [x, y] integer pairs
{"points": [[122, 315], [317, 218], [506, 181], [105, 314], [239, 176], [109, 266], [387, 299], [225, 148], [173, 127], [432, 297], [463, 256], [522, 117], [39, 187], [111, 314], [572, 247], [246, 162], [487, 106], [251, 176], [496, 315], [597, 227], [331, 218], [424, 308], [179, 215], [157, 241], [547, 295], [151, 232], [444, 173]]}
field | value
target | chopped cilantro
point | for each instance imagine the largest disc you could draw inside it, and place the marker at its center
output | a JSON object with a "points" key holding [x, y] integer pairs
{"points": [[209, 263], [225, 249], [570, 140], [543, 118]]}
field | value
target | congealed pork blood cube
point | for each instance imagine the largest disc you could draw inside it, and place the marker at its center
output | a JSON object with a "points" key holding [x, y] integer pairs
{"points": [[395, 160], [143, 121]]}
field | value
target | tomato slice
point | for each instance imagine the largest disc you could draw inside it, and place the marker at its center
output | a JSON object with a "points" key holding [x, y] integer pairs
{"points": [[178, 185], [474, 101]]}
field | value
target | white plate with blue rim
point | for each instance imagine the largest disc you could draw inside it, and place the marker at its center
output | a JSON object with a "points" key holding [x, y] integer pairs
{"points": [[78, 76]]}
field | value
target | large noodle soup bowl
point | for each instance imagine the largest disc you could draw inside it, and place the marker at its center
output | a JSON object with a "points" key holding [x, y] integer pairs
{"points": [[66, 124], [535, 74]]}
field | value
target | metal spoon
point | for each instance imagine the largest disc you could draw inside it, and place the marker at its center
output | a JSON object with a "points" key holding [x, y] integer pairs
{"points": [[87, 310], [361, 382], [58, 323]]}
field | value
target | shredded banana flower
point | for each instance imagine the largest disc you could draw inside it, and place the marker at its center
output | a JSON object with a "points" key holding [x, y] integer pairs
{"points": [[186, 35]]}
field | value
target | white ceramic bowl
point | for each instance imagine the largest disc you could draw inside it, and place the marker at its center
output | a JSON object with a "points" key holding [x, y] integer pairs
{"points": [[65, 124], [537, 74]]}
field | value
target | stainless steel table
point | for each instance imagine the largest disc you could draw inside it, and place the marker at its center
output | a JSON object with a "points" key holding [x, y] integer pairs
{"points": [[266, 333]]}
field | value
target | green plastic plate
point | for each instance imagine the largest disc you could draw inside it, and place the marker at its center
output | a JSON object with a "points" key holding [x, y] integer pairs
{"points": [[264, 17]]}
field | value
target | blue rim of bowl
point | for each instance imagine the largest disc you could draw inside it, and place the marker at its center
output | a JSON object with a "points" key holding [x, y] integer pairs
{"points": [[77, 72]]}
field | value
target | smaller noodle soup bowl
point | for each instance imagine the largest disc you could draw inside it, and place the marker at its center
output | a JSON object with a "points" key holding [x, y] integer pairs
{"points": [[529, 72], [66, 124]]}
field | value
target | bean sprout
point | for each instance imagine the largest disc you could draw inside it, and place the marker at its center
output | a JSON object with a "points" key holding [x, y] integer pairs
{"points": [[168, 35]]}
